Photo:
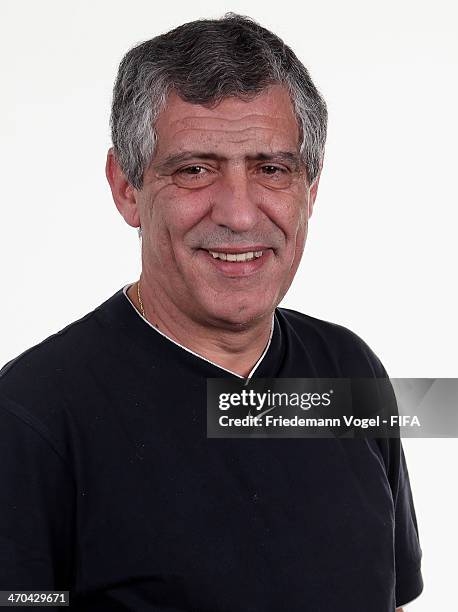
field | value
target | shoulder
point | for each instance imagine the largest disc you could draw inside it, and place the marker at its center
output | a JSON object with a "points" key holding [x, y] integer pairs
{"points": [[346, 349], [69, 344], [331, 333], [38, 384], [77, 341]]}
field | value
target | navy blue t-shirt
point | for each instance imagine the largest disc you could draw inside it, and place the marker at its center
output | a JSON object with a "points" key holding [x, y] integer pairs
{"points": [[111, 489]]}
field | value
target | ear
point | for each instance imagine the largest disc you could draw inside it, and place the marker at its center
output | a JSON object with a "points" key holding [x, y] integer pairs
{"points": [[313, 193], [124, 195]]}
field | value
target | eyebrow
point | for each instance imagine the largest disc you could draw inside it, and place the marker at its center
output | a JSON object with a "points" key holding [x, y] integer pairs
{"points": [[172, 161]]}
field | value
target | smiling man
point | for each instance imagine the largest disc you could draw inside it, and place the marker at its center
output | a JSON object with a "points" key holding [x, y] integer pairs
{"points": [[111, 488], [224, 208]]}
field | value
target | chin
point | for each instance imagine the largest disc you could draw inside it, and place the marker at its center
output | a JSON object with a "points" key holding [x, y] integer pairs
{"points": [[240, 314]]}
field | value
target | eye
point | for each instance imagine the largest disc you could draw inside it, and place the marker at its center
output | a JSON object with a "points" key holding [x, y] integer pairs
{"points": [[275, 176], [272, 170], [194, 176], [192, 170]]}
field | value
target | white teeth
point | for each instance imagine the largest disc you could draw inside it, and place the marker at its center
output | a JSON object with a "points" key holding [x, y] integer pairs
{"points": [[236, 256]]}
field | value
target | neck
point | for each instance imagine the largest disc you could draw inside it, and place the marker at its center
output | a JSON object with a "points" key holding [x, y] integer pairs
{"points": [[235, 350]]}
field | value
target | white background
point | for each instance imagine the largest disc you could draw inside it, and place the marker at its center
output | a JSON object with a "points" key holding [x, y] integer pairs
{"points": [[382, 249]]}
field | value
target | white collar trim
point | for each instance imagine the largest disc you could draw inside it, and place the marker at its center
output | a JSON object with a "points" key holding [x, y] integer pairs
{"points": [[124, 290]]}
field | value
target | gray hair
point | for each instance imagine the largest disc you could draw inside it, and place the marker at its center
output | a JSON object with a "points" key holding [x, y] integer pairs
{"points": [[203, 62]]}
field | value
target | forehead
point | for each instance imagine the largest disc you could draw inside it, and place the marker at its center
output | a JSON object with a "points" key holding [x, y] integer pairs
{"points": [[234, 125]]}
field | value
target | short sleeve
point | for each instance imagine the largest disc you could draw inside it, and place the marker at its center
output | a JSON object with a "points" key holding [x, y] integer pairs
{"points": [[408, 554], [409, 581], [36, 506]]}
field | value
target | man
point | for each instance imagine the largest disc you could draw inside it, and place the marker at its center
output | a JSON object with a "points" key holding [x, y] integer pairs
{"points": [[110, 487]]}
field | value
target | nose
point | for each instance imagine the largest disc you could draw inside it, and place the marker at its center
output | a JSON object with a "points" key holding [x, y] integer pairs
{"points": [[234, 204]]}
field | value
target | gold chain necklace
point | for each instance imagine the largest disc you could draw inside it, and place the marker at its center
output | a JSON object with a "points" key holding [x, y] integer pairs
{"points": [[141, 304], [140, 300]]}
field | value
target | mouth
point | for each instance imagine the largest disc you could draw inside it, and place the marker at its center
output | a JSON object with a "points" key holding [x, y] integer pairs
{"points": [[243, 256], [237, 262]]}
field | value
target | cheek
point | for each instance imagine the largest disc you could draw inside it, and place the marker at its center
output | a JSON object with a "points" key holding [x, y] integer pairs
{"points": [[173, 214], [291, 217]]}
